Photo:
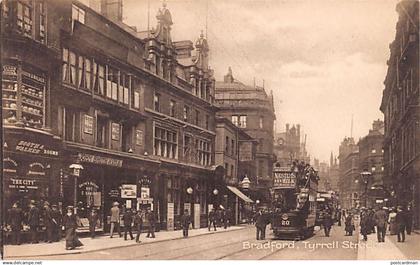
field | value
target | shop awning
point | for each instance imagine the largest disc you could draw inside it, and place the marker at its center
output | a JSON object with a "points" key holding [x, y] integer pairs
{"points": [[240, 194]]}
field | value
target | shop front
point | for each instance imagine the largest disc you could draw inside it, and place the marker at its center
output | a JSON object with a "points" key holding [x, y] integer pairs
{"points": [[184, 188], [30, 169], [105, 178]]}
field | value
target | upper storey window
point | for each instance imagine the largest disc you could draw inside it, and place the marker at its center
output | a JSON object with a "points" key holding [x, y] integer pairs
{"points": [[24, 17]]}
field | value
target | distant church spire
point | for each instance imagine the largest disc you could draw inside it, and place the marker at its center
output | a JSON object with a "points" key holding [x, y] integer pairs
{"points": [[229, 77]]}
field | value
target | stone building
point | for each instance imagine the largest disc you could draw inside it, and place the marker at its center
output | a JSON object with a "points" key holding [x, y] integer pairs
{"points": [[401, 108], [96, 112], [251, 109], [349, 173]]}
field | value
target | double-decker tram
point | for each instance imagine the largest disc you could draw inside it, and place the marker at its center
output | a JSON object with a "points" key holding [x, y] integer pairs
{"points": [[294, 201]]}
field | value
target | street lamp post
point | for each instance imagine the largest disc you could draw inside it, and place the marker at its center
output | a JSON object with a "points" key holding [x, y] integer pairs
{"points": [[365, 176]]}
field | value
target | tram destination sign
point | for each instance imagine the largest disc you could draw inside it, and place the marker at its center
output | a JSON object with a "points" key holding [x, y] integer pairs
{"points": [[284, 180]]}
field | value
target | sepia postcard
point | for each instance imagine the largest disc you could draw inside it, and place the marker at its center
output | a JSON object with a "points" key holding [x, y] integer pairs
{"points": [[210, 130]]}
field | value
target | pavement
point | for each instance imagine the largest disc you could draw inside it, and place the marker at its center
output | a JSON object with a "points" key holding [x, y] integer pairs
{"points": [[99, 243], [391, 249]]}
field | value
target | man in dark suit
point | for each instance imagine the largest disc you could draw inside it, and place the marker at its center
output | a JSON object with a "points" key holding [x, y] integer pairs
{"points": [[212, 219], [152, 223], [127, 221], [15, 222], [56, 218], [33, 222], [48, 222], [400, 220], [185, 222], [260, 224], [93, 220]]}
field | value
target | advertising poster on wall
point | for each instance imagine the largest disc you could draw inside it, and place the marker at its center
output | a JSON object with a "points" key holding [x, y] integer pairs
{"points": [[196, 215], [170, 217]]}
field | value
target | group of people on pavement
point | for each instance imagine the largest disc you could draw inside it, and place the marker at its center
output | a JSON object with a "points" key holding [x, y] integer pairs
{"points": [[219, 217], [139, 218], [48, 216], [398, 220]]}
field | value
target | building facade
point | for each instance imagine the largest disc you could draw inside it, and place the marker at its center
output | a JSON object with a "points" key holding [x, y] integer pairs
{"points": [[251, 109], [371, 160], [401, 109], [96, 112], [349, 174]]}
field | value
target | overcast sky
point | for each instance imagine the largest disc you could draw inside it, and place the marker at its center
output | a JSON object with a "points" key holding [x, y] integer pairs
{"points": [[325, 60]]}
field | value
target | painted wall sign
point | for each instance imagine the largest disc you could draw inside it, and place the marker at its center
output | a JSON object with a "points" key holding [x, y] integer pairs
{"points": [[9, 70], [38, 78], [170, 216], [100, 160], [139, 137], [88, 124], [25, 184], [115, 131], [196, 215], [35, 148], [128, 191]]}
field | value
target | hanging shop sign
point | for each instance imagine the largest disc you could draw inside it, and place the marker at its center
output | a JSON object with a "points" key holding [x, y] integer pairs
{"points": [[100, 160], [128, 191], [35, 148]]}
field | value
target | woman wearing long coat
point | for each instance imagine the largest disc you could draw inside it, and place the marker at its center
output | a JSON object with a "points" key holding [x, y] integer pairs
{"points": [[70, 225], [392, 220]]}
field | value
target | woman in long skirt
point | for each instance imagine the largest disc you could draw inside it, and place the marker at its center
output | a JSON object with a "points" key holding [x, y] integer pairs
{"points": [[70, 225], [392, 220]]}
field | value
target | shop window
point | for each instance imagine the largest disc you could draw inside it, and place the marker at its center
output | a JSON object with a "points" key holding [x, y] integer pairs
{"points": [[186, 113], [165, 143], [78, 14], [24, 17], [203, 197], [172, 105], [204, 152], [156, 101]]}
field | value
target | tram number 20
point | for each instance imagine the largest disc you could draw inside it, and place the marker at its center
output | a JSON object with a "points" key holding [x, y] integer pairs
{"points": [[285, 222]]}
